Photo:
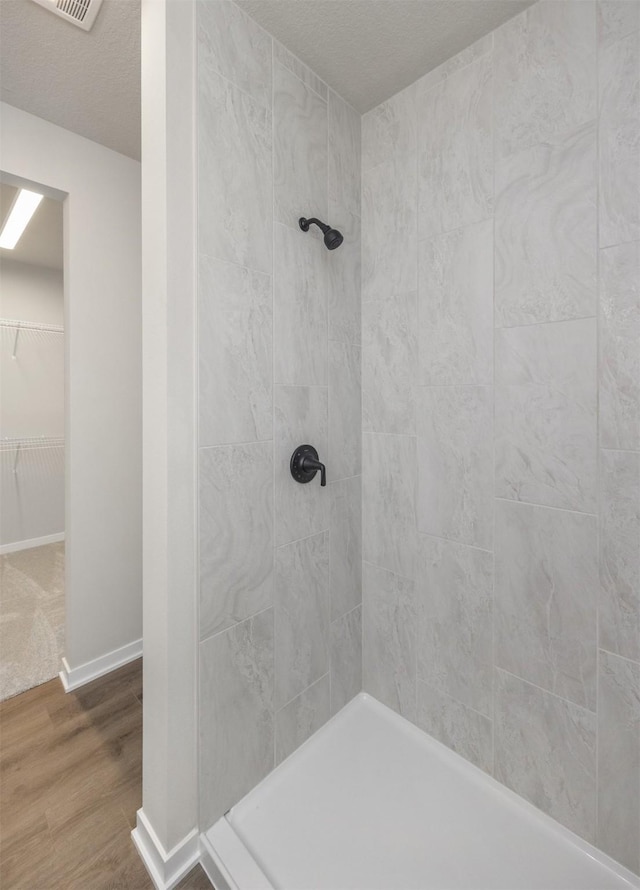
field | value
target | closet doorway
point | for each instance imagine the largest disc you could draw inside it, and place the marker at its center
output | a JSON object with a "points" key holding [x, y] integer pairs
{"points": [[32, 452]]}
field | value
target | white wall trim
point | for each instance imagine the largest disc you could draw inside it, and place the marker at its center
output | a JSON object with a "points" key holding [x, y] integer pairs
{"points": [[72, 678], [32, 542], [166, 869]]}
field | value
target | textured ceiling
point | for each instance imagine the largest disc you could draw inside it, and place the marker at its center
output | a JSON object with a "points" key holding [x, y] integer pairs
{"points": [[87, 82], [367, 50], [41, 241]]}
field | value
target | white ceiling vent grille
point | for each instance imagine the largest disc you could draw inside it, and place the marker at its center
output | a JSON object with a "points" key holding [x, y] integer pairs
{"points": [[79, 12]]}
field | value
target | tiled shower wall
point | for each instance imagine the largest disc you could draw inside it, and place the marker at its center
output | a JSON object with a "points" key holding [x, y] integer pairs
{"points": [[501, 410], [279, 366]]}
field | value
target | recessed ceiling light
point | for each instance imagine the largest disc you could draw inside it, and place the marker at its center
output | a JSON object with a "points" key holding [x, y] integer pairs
{"points": [[16, 222]]}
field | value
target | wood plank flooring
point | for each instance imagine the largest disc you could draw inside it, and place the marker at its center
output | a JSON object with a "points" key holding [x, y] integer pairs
{"points": [[70, 785]]}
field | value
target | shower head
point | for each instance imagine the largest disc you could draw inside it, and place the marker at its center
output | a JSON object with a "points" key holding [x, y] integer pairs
{"points": [[332, 237]]}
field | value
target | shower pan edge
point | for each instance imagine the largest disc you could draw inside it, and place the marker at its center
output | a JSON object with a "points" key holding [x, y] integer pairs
{"points": [[451, 826]]}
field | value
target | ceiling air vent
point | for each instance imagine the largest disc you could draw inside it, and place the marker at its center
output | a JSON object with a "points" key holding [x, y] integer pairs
{"points": [[79, 12]]}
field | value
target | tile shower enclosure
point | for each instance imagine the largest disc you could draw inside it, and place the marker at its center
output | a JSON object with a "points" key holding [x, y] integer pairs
{"points": [[468, 368]]}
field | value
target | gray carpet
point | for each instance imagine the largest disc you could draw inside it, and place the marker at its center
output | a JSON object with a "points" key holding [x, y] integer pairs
{"points": [[31, 617]]}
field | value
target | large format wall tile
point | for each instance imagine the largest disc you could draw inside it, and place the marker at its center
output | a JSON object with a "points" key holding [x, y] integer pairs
{"points": [[232, 44], [234, 174], [300, 418], [545, 414], [545, 73], [389, 365], [455, 457], [302, 615], [236, 714], [389, 536], [304, 73], [546, 598], [301, 717], [619, 760], [346, 545], [455, 306], [299, 149], [234, 354], [460, 728], [346, 658], [619, 618], [236, 534], [389, 639], [389, 233], [455, 150], [616, 19], [300, 308], [545, 750], [344, 278], [345, 439], [619, 70], [620, 347], [455, 596], [546, 231], [389, 129], [344, 155]]}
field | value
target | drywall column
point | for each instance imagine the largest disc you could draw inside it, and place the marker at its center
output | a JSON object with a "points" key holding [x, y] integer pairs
{"points": [[103, 377], [166, 833]]}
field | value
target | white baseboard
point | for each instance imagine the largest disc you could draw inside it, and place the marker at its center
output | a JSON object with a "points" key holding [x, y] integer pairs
{"points": [[72, 678], [165, 869], [32, 542]]}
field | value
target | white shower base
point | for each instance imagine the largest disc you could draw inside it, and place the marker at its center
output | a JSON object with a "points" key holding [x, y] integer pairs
{"points": [[372, 803]]}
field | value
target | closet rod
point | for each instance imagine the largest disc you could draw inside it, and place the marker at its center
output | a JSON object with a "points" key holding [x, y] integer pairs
{"points": [[31, 326]]}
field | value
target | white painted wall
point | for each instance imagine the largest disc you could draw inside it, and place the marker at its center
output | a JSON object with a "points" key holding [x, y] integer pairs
{"points": [[103, 383], [31, 404]]}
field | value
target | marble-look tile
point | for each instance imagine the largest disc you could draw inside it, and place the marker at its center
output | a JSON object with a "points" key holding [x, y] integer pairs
{"points": [[545, 73], [619, 759], [299, 150], [455, 150], [344, 155], [620, 347], [546, 598], [455, 463], [235, 347], [346, 658], [301, 717], [455, 63], [389, 639], [545, 750], [389, 229], [616, 19], [232, 44], [389, 536], [546, 231], [234, 175], [305, 74], [455, 306], [345, 396], [236, 713], [236, 534], [460, 728], [455, 603], [389, 364], [302, 615], [300, 418], [545, 414], [300, 287], [619, 141], [344, 278], [389, 129], [346, 545], [619, 618]]}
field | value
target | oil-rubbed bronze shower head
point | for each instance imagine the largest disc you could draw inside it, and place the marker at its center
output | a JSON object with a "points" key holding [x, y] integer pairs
{"points": [[332, 237]]}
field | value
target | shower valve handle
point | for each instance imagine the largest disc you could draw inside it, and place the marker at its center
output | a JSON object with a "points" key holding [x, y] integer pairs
{"points": [[305, 464]]}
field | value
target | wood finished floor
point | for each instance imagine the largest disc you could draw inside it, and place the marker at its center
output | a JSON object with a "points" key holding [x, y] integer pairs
{"points": [[70, 785]]}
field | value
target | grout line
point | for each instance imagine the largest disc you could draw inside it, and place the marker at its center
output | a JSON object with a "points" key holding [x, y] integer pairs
{"points": [[546, 507], [302, 692], [232, 626], [561, 698], [273, 400], [616, 655]]}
